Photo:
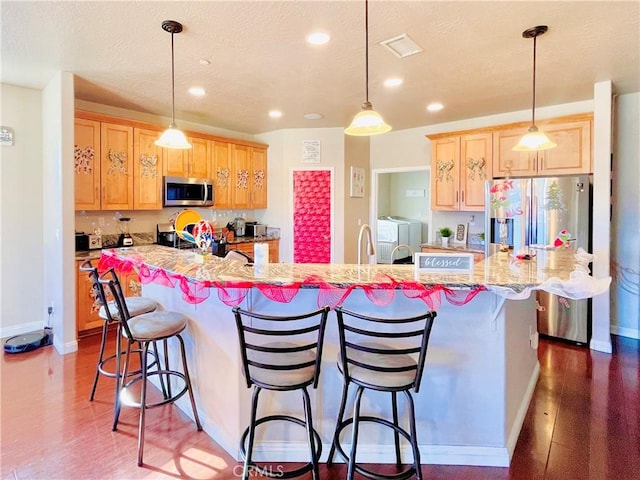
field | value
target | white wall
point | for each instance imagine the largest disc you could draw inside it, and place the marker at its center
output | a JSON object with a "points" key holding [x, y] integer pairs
{"points": [[285, 155], [21, 213], [625, 241]]}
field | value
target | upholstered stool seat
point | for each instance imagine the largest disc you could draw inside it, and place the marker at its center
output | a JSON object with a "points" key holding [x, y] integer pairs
{"points": [[135, 305], [291, 362]]}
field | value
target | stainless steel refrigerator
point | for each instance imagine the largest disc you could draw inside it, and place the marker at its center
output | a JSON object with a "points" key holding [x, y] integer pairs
{"points": [[526, 214]]}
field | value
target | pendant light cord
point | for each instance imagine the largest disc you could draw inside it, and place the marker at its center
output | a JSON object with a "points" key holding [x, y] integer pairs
{"points": [[366, 47], [173, 86], [533, 107]]}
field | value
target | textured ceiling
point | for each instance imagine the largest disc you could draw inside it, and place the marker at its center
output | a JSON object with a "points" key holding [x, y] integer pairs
{"points": [[475, 60]]}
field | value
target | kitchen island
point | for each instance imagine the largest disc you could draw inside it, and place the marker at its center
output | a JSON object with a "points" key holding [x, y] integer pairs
{"points": [[481, 366]]}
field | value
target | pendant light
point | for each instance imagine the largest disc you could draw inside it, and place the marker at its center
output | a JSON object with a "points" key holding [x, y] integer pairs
{"points": [[172, 137], [368, 121], [534, 139]]}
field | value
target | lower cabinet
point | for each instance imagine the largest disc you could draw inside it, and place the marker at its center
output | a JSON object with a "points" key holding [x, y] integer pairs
{"points": [[477, 256], [247, 247], [87, 305]]}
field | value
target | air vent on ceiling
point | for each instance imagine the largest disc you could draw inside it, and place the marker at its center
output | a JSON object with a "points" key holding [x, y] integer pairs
{"points": [[402, 46]]}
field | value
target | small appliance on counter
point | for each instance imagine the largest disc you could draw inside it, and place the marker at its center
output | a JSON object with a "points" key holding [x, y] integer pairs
{"points": [[95, 242], [166, 235], [82, 241], [239, 226], [255, 229], [125, 239]]}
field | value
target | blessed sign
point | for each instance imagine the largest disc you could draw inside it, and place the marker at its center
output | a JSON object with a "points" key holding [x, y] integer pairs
{"points": [[444, 262]]}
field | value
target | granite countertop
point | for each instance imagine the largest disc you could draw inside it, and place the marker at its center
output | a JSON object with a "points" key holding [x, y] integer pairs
{"points": [[457, 247], [499, 270]]}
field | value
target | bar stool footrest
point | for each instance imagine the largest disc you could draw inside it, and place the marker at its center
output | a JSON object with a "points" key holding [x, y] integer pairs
{"points": [[280, 474], [111, 358], [408, 473], [167, 398]]}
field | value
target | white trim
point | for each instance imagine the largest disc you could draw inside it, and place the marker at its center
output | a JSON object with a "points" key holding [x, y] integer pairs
{"points": [[289, 234], [518, 421], [64, 348], [20, 329], [625, 332], [604, 347]]}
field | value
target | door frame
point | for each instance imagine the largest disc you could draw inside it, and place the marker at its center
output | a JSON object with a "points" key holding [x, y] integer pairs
{"points": [[288, 258], [373, 201]]}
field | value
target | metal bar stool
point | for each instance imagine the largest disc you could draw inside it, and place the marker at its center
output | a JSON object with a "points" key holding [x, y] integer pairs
{"points": [[281, 353], [135, 306], [147, 329], [387, 355]]}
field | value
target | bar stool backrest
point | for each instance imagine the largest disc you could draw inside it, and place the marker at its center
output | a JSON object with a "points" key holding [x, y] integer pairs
{"points": [[110, 279], [101, 296], [277, 340], [371, 343]]}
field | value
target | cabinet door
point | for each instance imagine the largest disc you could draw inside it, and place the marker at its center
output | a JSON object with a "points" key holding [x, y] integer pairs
{"points": [[241, 170], [506, 161], [572, 156], [199, 158], [116, 142], [131, 284], [87, 305], [175, 162], [259, 178], [87, 164], [274, 251], [445, 159], [147, 170], [221, 172], [475, 169]]}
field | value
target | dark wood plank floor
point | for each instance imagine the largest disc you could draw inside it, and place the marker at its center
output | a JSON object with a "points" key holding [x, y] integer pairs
{"points": [[583, 423]]}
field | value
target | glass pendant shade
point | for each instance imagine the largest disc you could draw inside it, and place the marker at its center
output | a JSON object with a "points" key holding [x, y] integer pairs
{"points": [[367, 122], [534, 140], [173, 138]]}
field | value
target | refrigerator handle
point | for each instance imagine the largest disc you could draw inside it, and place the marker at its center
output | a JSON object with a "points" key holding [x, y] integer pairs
{"points": [[534, 220]]}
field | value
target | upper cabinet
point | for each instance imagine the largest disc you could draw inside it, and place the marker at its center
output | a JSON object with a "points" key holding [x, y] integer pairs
{"points": [[460, 164], [116, 145], [221, 174], [249, 176], [572, 156], [119, 167], [147, 170], [87, 164]]}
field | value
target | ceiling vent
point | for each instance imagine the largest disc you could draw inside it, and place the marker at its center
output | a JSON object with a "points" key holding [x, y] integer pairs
{"points": [[401, 46]]}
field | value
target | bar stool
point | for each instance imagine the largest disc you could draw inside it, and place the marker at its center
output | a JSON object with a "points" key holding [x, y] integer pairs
{"points": [[135, 306], [281, 353], [368, 362], [147, 329]]}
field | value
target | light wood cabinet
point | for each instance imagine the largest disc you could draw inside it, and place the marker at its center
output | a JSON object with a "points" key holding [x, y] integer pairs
{"points": [[259, 178], [147, 170], [477, 256], [572, 156], [87, 164], [249, 177], [459, 167], [247, 247], [221, 172], [116, 149], [194, 162]]}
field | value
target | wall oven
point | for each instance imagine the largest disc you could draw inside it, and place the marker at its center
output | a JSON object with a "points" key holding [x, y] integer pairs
{"points": [[187, 192]]}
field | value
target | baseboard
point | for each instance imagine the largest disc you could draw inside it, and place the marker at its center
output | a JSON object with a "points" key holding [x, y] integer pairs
{"points": [[429, 454], [64, 348], [12, 331], [625, 332], [604, 347], [512, 439]]}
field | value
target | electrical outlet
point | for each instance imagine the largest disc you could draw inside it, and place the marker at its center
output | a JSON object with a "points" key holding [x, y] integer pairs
{"points": [[50, 309]]}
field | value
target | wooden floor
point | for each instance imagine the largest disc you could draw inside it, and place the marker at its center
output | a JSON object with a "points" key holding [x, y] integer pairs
{"points": [[583, 423]]}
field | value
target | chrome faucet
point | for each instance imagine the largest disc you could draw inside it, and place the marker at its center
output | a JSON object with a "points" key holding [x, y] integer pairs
{"points": [[365, 229]]}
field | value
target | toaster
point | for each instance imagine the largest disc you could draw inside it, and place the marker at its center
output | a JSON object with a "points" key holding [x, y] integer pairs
{"points": [[95, 242], [255, 229]]}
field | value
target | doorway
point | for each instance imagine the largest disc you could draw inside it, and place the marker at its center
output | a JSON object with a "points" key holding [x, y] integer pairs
{"points": [[401, 192]]}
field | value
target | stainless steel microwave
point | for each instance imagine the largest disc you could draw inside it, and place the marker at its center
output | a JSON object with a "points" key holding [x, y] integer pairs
{"points": [[187, 192]]}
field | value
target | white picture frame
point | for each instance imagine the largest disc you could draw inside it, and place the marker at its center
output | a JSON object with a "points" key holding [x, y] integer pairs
{"points": [[460, 233], [357, 182]]}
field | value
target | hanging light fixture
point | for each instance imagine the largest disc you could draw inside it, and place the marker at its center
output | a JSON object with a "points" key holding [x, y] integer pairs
{"points": [[534, 139], [368, 121], [172, 137]]}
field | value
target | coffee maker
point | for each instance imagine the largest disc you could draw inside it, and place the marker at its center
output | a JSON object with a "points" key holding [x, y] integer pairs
{"points": [[124, 240], [239, 224]]}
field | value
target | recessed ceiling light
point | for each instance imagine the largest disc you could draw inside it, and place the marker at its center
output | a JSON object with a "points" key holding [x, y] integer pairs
{"points": [[313, 116], [275, 114], [197, 91], [204, 61], [435, 107], [393, 82], [318, 38]]}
